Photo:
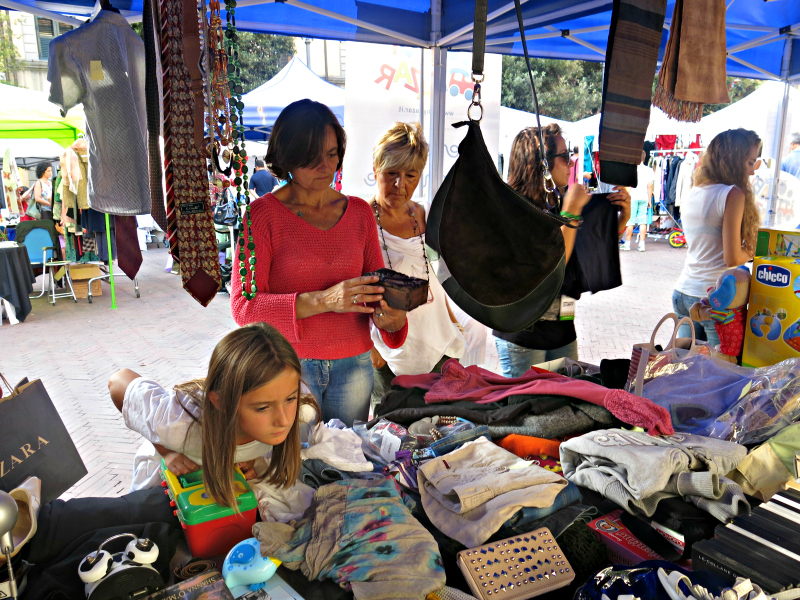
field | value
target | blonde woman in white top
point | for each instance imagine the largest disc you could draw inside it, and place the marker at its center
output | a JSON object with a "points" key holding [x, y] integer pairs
{"points": [[720, 220], [433, 333]]}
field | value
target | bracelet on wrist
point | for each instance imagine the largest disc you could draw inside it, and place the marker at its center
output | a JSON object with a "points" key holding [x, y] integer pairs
{"points": [[571, 217]]}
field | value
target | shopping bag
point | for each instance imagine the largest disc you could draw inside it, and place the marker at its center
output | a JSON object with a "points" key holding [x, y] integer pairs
{"points": [[35, 442], [647, 357]]}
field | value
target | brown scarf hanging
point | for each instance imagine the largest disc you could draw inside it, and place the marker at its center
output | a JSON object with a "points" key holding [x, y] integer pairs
{"points": [[693, 70]]}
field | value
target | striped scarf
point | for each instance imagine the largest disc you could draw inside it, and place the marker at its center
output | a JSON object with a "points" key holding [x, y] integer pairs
{"points": [[631, 59]]}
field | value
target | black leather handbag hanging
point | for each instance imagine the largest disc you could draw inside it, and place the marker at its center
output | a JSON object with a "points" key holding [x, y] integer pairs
{"points": [[501, 259]]}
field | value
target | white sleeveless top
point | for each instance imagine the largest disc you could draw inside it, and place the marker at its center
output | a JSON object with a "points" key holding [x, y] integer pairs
{"points": [[701, 216], [431, 333]]}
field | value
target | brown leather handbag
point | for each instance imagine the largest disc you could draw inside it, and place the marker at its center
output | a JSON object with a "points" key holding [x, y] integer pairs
{"points": [[401, 291]]}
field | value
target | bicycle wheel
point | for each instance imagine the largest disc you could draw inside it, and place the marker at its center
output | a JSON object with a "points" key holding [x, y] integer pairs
{"points": [[677, 239]]}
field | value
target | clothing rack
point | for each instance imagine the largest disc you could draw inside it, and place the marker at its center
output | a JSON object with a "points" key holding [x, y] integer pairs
{"points": [[676, 150]]}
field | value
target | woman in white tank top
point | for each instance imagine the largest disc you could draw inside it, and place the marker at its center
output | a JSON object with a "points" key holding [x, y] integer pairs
{"points": [[720, 220]]}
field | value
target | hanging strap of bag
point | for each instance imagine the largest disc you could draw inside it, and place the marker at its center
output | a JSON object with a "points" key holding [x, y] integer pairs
{"points": [[478, 51]]}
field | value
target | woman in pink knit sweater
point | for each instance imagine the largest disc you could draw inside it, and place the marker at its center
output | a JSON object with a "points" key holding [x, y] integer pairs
{"points": [[312, 246]]}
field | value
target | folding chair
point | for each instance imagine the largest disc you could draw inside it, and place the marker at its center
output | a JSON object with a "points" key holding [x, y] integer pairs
{"points": [[38, 240]]}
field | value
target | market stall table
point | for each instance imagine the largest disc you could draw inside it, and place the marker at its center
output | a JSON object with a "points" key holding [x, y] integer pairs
{"points": [[16, 278]]}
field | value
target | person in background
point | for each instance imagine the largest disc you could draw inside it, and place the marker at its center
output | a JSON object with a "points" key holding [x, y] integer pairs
{"points": [[262, 181], [549, 338], [791, 164], [398, 160], [575, 174], [641, 201], [720, 220], [23, 197], [310, 249], [43, 190]]}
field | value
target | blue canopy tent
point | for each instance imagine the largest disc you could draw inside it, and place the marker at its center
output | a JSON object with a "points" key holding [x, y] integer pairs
{"points": [[763, 38], [294, 82]]}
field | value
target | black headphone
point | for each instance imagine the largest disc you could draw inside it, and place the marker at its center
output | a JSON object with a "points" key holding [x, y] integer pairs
{"points": [[97, 564]]}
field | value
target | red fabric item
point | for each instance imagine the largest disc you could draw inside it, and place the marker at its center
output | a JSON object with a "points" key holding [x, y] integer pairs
{"points": [[666, 142], [129, 255], [731, 335], [526, 445], [482, 386], [696, 143], [294, 257]]}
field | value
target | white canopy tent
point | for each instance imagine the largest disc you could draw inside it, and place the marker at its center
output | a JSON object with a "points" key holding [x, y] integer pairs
{"points": [[294, 82], [759, 112]]}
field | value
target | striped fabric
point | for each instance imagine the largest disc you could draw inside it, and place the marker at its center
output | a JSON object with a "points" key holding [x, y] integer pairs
{"points": [[153, 100], [190, 227], [631, 57]]}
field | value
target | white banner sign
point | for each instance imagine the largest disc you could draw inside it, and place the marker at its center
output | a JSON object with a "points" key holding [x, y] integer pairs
{"points": [[384, 84]]}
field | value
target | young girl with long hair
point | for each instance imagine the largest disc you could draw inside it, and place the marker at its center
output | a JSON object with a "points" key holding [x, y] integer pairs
{"points": [[248, 406], [720, 220]]}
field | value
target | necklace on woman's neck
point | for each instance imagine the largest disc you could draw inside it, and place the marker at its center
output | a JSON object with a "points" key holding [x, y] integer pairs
{"points": [[417, 232]]}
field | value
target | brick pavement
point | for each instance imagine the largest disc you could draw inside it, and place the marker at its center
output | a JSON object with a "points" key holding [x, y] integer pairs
{"points": [[167, 336]]}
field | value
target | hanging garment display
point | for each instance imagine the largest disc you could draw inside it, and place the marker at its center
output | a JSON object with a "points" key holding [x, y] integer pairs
{"points": [[11, 182], [686, 81], [190, 225], [153, 94], [101, 64], [631, 57]]}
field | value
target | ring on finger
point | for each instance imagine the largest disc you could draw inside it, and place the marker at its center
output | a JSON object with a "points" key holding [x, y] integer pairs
{"points": [[354, 299], [379, 315]]}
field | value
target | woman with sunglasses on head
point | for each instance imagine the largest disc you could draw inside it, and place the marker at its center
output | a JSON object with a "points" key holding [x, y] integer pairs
{"points": [[433, 332], [550, 337]]}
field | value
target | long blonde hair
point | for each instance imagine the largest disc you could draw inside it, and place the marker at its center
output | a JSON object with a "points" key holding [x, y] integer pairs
{"points": [[724, 161], [244, 360]]}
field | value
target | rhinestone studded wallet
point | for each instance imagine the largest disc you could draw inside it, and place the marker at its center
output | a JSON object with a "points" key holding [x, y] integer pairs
{"points": [[516, 568]]}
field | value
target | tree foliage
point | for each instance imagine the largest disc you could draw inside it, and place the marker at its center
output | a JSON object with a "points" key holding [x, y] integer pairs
{"points": [[573, 89], [10, 60], [262, 56], [567, 89], [738, 88]]}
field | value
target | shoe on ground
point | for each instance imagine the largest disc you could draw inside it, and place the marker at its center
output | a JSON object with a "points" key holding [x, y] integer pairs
{"points": [[641, 246], [626, 246]]}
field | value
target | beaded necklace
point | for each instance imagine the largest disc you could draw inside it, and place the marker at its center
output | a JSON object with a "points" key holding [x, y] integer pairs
{"points": [[417, 232], [233, 69]]}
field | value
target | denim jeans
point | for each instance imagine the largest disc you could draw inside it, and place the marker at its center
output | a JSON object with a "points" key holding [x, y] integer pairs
{"points": [[703, 330], [341, 386], [515, 360]]}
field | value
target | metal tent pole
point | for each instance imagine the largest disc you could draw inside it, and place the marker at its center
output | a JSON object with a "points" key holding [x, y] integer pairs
{"points": [[781, 134], [437, 100]]}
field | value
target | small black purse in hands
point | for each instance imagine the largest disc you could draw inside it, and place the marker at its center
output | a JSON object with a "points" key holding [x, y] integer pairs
{"points": [[402, 292]]}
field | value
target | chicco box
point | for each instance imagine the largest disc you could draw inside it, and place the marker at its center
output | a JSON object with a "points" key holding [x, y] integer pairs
{"points": [[211, 530], [623, 547], [778, 242], [772, 329]]}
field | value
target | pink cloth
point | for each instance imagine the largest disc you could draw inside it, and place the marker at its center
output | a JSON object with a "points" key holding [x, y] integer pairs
{"points": [[294, 257], [482, 386]]}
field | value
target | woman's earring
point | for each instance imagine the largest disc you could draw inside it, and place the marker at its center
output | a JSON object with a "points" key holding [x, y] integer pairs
{"points": [[289, 178]]}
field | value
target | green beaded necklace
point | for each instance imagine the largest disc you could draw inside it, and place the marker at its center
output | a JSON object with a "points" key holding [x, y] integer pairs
{"points": [[239, 154]]}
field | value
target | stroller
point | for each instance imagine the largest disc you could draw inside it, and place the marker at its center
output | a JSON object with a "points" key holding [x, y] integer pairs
{"points": [[673, 233]]}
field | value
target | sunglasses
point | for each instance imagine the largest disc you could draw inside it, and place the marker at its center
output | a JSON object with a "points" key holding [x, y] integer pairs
{"points": [[565, 155]]}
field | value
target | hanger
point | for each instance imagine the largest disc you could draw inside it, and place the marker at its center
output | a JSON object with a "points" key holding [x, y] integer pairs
{"points": [[106, 5]]}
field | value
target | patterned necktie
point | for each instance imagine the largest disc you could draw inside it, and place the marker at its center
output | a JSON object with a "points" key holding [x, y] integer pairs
{"points": [[190, 227], [129, 255], [153, 100]]}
